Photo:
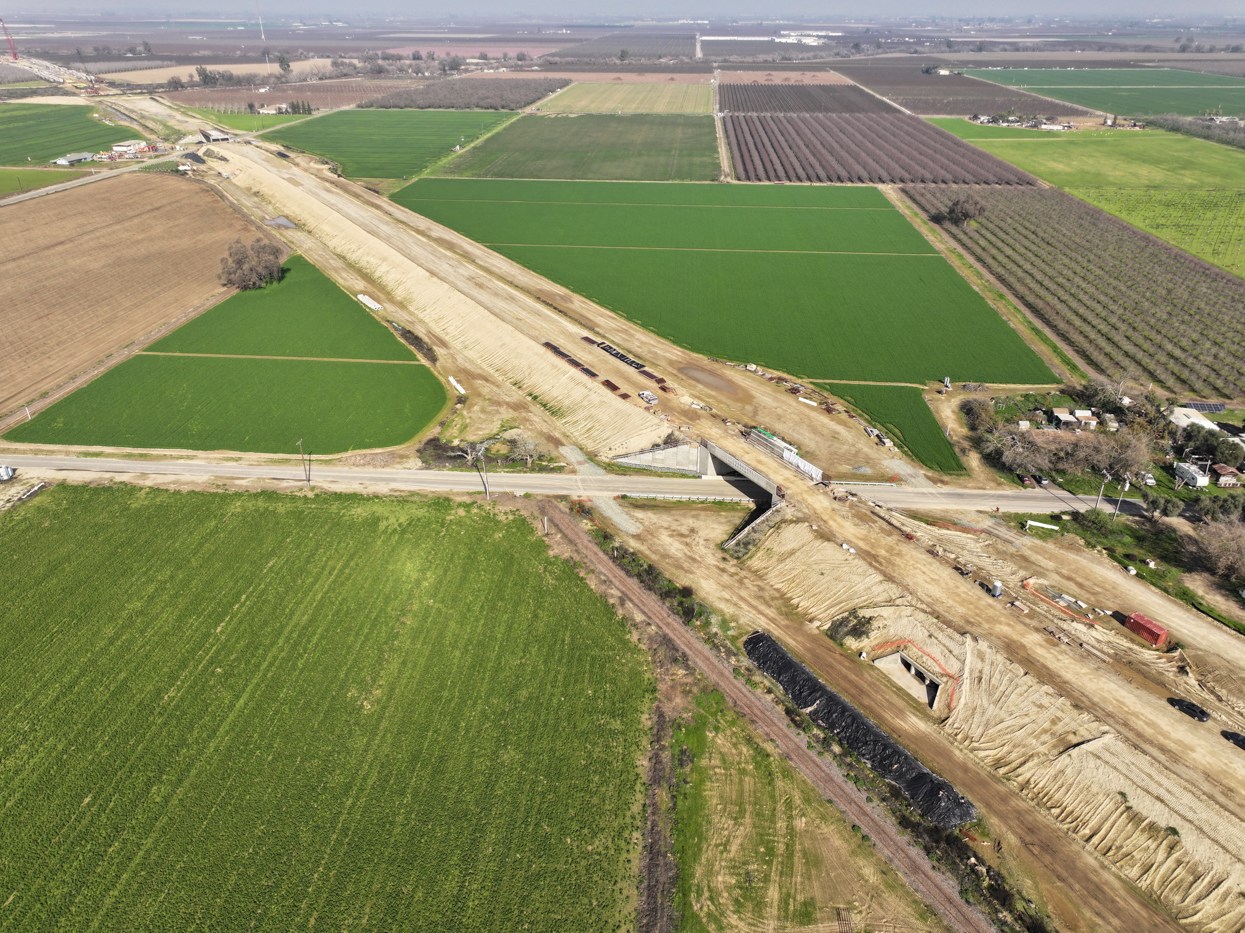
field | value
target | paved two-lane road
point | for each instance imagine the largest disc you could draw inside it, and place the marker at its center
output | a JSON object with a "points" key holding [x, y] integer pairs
{"points": [[1047, 499], [443, 480]]}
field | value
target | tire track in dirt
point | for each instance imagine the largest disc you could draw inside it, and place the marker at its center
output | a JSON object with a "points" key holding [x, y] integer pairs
{"points": [[936, 889]]}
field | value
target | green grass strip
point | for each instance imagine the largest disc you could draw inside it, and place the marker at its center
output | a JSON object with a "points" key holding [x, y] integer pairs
{"points": [[903, 415], [596, 147], [387, 143]]}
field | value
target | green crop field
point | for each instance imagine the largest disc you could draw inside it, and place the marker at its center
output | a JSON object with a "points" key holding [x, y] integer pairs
{"points": [[570, 192], [246, 122], [231, 379], [1102, 77], [1209, 224], [976, 132], [595, 146], [266, 712], [653, 216], [16, 180], [45, 132], [1128, 91], [387, 143], [736, 278], [903, 415], [632, 98], [1111, 158], [305, 314], [231, 403]]}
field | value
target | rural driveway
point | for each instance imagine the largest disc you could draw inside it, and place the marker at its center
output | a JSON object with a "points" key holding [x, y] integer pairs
{"points": [[558, 484]]}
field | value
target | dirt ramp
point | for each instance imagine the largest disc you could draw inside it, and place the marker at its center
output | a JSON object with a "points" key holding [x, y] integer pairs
{"points": [[822, 578], [1161, 833]]}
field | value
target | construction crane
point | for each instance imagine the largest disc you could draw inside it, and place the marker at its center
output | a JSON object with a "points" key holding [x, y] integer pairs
{"points": [[7, 35]]}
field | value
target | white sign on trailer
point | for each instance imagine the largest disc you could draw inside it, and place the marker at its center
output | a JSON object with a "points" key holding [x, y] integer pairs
{"points": [[370, 303]]}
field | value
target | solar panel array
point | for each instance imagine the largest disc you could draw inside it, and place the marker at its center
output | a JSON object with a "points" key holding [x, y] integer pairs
{"points": [[1208, 408]]}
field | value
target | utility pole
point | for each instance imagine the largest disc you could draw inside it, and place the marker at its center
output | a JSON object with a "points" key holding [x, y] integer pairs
{"points": [[1105, 478], [305, 460], [1120, 499]]}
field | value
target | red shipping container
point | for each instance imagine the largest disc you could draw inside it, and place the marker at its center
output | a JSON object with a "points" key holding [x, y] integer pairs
{"points": [[1148, 629]]}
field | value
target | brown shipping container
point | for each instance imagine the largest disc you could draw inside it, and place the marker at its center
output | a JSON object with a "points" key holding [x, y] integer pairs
{"points": [[1146, 628]]}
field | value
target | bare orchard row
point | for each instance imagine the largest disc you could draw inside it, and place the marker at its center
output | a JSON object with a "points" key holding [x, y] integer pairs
{"points": [[860, 148], [1125, 300]]}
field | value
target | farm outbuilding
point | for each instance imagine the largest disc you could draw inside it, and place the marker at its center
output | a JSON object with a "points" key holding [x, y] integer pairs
{"points": [[1183, 417], [75, 157], [1226, 475], [1063, 418]]}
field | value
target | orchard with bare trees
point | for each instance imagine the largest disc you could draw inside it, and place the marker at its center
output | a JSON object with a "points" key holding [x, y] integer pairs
{"points": [[1124, 300], [875, 148]]}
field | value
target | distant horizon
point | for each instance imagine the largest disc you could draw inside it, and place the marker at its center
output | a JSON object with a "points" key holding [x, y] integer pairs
{"points": [[1213, 14]]}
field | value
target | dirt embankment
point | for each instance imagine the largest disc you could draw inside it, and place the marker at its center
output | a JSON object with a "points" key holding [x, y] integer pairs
{"points": [[89, 270], [390, 254], [1158, 829]]}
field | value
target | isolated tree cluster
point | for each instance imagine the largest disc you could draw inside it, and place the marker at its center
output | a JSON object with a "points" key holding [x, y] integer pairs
{"points": [[1066, 452], [961, 211], [1231, 134], [251, 266]]}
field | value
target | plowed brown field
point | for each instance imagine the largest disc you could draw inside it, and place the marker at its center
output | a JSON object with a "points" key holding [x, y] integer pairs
{"points": [[90, 270]]}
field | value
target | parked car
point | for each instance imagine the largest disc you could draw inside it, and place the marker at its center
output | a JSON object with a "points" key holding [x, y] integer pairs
{"points": [[1041, 480], [1192, 710], [1027, 480], [1148, 479], [1235, 738]]}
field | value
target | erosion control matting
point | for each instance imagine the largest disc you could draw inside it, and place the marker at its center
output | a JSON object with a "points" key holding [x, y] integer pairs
{"points": [[936, 799]]}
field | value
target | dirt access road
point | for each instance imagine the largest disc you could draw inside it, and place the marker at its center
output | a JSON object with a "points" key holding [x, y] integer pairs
{"points": [[911, 863]]}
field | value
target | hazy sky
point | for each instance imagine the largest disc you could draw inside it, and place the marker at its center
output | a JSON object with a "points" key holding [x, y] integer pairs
{"points": [[585, 10]]}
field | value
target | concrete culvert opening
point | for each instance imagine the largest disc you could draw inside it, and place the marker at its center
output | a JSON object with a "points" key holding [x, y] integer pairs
{"points": [[911, 676]]}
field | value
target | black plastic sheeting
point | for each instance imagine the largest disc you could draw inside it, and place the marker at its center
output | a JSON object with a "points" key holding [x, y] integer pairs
{"points": [[936, 799]]}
